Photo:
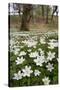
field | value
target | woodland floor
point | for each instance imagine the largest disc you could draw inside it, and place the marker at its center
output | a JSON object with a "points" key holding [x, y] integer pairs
{"points": [[38, 25]]}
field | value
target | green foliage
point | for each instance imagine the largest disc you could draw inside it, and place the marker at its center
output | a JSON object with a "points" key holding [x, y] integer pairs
{"points": [[33, 80]]}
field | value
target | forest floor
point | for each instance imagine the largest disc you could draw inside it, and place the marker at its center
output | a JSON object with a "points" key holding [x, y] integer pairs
{"points": [[31, 51], [39, 25]]}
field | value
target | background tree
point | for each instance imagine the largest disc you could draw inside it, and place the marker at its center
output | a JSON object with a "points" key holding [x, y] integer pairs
{"points": [[55, 10], [26, 16], [47, 10], [42, 7], [17, 7]]}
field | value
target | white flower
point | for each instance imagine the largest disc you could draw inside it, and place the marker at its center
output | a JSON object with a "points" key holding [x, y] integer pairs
{"points": [[52, 40], [41, 51], [27, 71], [46, 80], [50, 55], [29, 43], [33, 54], [57, 59], [18, 75], [20, 60], [16, 51], [46, 60], [49, 67], [29, 50], [12, 42], [25, 41], [21, 46], [15, 46], [32, 43], [52, 44], [22, 53], [11, 49], [42, 40], [34, 46], [55, 44], [37, 73], [39, 61]]}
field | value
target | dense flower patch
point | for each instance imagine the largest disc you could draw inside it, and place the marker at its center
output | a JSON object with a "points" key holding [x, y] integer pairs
{"points": [[33, 59]]}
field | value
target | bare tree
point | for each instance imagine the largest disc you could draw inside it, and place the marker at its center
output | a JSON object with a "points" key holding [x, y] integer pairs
{"points": [[47, 10], [42, 7], [55, 10], [26, 16]]}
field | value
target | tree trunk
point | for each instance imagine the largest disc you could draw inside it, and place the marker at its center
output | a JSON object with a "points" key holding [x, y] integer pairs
{"points": [[26, 17], [47, 10], [42, 11], [54, 10]]}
